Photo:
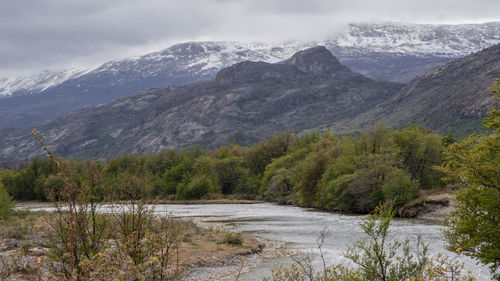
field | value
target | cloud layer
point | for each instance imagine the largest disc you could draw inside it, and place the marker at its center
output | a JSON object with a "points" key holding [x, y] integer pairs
{"points": [[44, 34]]}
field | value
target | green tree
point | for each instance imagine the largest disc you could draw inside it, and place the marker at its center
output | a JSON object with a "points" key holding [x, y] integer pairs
{"points": [[419, 151], [198, 187], [474, 164], [315, 165], [292, 162], [164, 161], [27, 184], [280, 186], [5, 203], [261, 154], [375, 160], [231, 176], [8, 179], [400, 189], [180, 172], [334, 193]]}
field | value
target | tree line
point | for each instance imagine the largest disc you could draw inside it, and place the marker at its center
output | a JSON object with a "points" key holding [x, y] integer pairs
{"points": [[352, 173]]}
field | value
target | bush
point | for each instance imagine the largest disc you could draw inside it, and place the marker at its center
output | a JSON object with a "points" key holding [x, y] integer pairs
{"points": [[280, 186], [5, 203], [233, 239], [400, 189], [198, 187]]}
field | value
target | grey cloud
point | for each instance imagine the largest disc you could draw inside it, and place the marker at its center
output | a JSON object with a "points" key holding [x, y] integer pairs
{"points": [[39, 34]]}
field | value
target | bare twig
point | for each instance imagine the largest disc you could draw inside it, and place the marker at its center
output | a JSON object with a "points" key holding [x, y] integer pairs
{"points": [[69, 194], [319, 242], [240, 268]]}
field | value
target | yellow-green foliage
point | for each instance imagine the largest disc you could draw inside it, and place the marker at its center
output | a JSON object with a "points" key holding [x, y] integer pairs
{"points": [[474, 165], [5, 203]]}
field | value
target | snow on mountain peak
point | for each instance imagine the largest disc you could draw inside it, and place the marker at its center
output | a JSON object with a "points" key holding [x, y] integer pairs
{"points": [[38, 82], [204, 59], [419, 39]]}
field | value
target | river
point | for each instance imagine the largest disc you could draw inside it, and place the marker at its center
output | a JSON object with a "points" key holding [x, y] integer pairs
{"points": [[300, 227]]}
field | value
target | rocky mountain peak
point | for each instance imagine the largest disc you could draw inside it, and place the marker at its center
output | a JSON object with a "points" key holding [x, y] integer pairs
{"points": [[317, 61]]}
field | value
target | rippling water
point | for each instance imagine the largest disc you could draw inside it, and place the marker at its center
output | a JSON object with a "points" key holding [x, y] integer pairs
{"points": [[299, 228]]}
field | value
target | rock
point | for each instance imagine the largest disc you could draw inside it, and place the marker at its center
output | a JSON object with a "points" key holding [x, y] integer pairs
{"points": [[452, 98], [317, 61], [37, 251], [10, 243], [249, 71]]}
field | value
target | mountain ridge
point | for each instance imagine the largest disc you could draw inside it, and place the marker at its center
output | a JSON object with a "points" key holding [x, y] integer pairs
{"points": [[212, 113], [380, 51], [252, 100]]}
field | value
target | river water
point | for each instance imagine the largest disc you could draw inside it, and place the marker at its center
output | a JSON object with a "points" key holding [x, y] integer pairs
{"points": [[299, 229]]}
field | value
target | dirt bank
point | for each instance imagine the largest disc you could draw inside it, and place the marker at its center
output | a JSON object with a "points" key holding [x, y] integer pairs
{"points": [[435, 205]]}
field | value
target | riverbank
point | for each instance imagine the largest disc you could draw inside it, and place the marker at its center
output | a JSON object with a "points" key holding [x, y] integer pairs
{"points": [[207, 251], [182, 202], [434, 205], [214, 201]]}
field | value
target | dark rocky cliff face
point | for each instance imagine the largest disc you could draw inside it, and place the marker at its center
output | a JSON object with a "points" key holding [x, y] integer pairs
{"points": [[314, 63], [249, 71], [317, 61]]}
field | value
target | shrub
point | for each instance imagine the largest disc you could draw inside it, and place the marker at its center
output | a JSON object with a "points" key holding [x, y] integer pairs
{"points": [[233, 239], [198, 187], [400, 189], [5, 203]]}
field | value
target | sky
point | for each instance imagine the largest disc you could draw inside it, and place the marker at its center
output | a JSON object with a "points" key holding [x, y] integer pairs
{"points": [[55, 34]]}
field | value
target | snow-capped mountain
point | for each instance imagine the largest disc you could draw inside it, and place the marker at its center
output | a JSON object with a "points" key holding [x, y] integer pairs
{"points": [[419, 40], [452, 41], [389, 51], [36, 83], [194, 59], [353, 41]]}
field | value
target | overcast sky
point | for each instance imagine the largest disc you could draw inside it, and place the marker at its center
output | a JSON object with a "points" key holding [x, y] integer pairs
{"points": [[52, 34]]}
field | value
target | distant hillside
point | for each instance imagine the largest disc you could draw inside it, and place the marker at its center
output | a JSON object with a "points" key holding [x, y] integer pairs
{"points": [[247, 102], [451, 99]]}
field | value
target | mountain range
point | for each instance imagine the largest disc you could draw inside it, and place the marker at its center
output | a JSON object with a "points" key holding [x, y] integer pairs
{"points": [[248, 101], [390, 51]]}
